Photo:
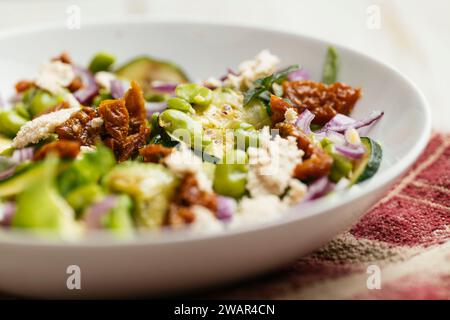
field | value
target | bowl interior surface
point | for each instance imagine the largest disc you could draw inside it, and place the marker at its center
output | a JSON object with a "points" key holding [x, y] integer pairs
{"points": [[205, 50]]}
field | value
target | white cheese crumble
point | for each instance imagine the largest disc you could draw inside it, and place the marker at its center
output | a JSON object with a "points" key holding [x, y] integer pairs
{"points": [[41, 127], [290, 116], [264, 64], [212, 82], [205, 221], [104, 78], [297, 190], [272, 164], [54, 76], [258, 209], [183, 160]]}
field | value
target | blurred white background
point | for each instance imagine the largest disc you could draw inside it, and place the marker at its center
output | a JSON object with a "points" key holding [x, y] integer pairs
{"points": [[412, 35]]}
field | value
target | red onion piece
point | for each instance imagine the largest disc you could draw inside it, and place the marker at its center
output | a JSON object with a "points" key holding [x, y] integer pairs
{"points": [[18, 156], [96, 211], [298, 75], [165, 87], [226, 207], [24, 154], [318, 189], [153, 107], [229, 71], [7, 211], [304, 121], [90, 87], [8, 172], [351, 151], [117, 89], [339, 125]]}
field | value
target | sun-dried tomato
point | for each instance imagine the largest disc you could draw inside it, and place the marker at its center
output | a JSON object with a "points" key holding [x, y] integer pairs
{"points": [[322, 100], [62, 148], [135, 104], [115, 117], [188, 195], [316, 164], [278, 107], [75, 85], [80, 127], [23, 85], [64, 58], [130, 146], [154, 153]]}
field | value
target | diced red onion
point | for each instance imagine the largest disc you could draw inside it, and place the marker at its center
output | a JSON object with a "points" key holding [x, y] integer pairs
{"points": [[90, 87], [229, 71], [153, 107], [226, 207], [117, 89], [24, 154], [95, 212], [18, 156], [8, 172], [304, 121], [298, 75], [350, 151], [8, 209], [343, 122], [318, 189], [165, 87]]}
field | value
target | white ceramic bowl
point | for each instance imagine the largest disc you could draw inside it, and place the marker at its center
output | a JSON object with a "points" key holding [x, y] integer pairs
{"points": [[155, 264]]}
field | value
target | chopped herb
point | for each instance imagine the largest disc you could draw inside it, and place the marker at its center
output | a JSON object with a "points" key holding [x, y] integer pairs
{"points": [[331, 66]]}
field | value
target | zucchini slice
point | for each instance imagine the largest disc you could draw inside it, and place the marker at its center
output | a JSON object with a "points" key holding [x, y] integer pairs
{"points": [[145, 70], [369, 164]]}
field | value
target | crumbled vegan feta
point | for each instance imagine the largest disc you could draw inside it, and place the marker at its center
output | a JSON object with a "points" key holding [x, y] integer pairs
{"points": [[290, 116], [258, 209], [297, 190], [104, 78], [263, 65], [212, 83], [54, 76], [205, 221], [183, 160], [272, 164], [41, 127]]}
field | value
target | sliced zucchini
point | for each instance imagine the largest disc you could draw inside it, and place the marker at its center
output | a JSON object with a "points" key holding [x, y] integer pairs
{"points": [[145, 70], [367, 167]]}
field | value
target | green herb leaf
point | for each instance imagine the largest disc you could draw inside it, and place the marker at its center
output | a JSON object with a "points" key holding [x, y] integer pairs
{"points": [[331, 66], [252, 94]]}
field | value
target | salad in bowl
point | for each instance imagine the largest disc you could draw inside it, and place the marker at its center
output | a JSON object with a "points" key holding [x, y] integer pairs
{"points": [[143, 147]]}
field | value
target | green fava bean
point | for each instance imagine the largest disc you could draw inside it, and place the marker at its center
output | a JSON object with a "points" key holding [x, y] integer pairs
{"points": [[101, 62], [10, 122], [180, 104], [41, 101], [230, 177], [181, 127], [194, 93]]}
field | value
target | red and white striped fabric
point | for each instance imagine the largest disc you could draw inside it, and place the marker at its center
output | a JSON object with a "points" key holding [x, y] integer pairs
{"points": [[406, 234]]}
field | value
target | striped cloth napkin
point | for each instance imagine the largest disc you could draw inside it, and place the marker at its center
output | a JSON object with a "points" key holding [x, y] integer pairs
{"points": [[400, 249]]}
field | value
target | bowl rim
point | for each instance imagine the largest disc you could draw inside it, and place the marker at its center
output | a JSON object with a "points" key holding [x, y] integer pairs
{"points": [[320, 206]]}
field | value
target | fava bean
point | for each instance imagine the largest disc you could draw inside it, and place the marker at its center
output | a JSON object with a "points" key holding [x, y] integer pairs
{"points": [[194, 93], [41, 101], [10, 122], [101, 62], [230, 176], [180, 104]]}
